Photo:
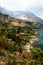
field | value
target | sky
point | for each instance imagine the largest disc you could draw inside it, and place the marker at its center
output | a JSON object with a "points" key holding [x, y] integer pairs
{"points": [[34, 6]]}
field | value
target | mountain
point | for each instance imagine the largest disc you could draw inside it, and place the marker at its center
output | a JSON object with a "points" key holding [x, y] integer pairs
{"points": [[28, 16], [3, 10], [23, 15]]}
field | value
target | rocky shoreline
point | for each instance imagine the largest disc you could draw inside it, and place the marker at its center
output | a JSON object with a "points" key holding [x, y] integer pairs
{"points": [[31, 43]]}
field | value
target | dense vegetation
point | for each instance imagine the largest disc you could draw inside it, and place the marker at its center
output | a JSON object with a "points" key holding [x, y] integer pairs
{"points": [[12, 42]]}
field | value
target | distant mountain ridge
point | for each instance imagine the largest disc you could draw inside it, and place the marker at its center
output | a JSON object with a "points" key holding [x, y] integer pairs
{"points": [[23, 15], [3, 10], [27, 16], [5, 19]]}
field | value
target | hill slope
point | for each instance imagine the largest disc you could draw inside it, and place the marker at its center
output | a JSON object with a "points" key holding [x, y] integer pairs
{"points": [[27, 16], [23, 15], [15, 43]]}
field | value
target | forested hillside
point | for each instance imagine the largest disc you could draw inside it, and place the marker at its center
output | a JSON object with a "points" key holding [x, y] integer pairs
{"points": [[13, 41]]}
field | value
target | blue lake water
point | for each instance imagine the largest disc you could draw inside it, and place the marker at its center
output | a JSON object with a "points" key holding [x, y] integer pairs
{"points": [[40, 38]]}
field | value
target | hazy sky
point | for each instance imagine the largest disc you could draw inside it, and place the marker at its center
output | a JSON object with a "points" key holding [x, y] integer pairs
{"points": [[35, 6]]}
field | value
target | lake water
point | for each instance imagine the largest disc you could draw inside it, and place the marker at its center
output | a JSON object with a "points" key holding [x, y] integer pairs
{"points": [[40, 38]]}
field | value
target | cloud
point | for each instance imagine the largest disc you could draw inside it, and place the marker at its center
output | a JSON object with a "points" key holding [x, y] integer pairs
{"points": [[21, 4], [35, 6]]}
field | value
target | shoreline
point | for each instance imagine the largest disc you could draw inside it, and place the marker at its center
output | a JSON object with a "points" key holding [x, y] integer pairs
{"points": [[30, 44]]}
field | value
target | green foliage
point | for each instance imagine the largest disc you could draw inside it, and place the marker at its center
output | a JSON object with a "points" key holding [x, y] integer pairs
{"points": [[12, 41]]}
